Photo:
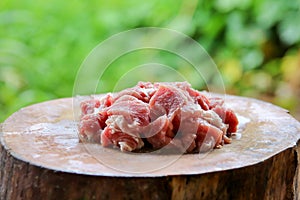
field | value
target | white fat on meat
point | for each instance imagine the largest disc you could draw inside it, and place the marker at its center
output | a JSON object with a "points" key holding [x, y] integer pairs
{"points": [[214, 119], [118, 123]]}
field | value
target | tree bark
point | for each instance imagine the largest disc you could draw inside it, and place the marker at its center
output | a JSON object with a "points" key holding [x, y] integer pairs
{"points": [[244, 169]]}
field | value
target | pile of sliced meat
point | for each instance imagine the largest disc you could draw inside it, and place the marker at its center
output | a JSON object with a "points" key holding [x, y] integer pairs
{"points": [[163, 115]]}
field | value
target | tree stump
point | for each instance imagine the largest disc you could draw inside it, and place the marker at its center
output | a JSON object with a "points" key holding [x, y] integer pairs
{"points": [[42, 158]]}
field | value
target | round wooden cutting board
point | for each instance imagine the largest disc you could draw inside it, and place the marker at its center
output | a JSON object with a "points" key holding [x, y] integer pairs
{"points": [[42, 158]]}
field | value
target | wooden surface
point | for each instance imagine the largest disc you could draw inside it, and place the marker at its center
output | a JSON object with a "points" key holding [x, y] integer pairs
{"points": [[42, 158]]}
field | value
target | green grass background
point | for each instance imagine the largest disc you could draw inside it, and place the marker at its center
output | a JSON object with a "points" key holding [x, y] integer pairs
{"points": [[255, 44]]}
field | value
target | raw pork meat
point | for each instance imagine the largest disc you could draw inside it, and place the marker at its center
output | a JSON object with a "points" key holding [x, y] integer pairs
{"points": [[168, 115]]}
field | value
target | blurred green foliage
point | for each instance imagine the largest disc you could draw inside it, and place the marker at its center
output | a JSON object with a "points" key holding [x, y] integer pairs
{"points": [[255, 43]]}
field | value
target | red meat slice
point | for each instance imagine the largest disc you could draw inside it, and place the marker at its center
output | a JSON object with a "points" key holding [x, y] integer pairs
{"points": [[133, 110], [125, 141], [167, 99], [184, 144], [232, 120], [159, 138], [142, 91], [102, 117], [88, 106], [200, 98], [228, 117], [208, 136], [89, 128], [126, 118], [94, 105]]}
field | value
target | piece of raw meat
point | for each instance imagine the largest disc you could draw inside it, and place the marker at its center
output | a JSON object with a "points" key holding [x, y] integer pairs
{"points": [[169, 115]]}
